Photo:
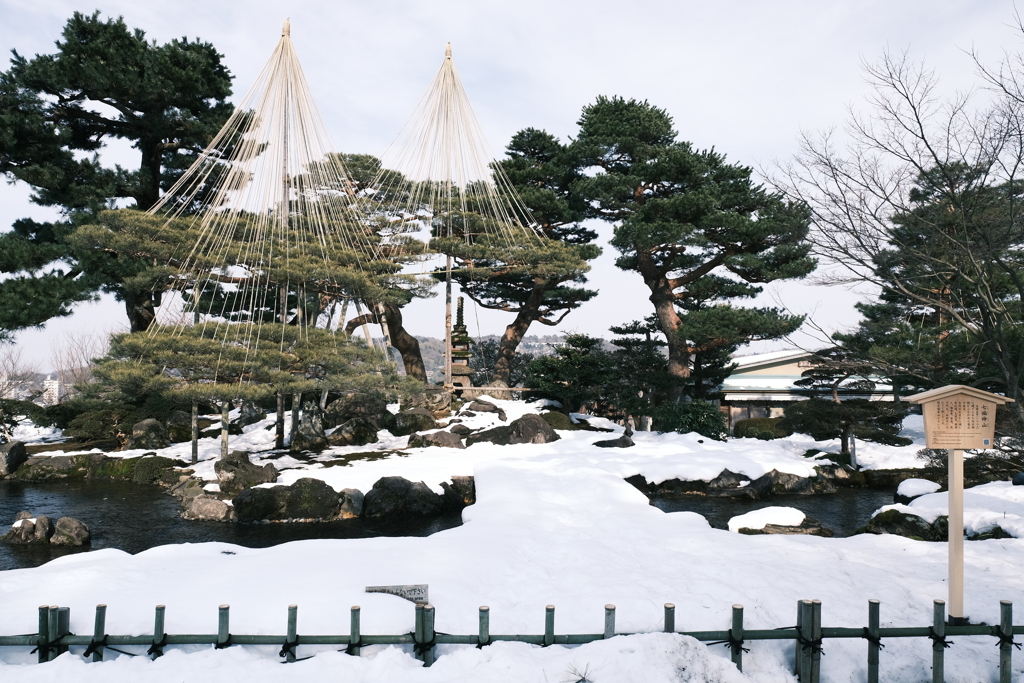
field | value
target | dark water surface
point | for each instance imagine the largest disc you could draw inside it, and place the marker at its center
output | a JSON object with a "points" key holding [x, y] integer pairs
{"points": [[841, 512], [133, 518]]}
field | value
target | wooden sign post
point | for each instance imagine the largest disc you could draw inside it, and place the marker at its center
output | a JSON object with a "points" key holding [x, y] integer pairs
{"points": [[957, 417]]}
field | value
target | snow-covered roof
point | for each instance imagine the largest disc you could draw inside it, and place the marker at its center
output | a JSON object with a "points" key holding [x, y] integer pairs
{"points": [[770, 357]]}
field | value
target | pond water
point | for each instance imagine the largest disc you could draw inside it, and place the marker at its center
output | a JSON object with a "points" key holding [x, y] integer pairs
{"points": [[842, 512], [133, 518]]}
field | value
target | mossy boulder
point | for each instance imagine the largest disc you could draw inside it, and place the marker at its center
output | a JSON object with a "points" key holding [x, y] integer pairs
{"points": [[902, 524]]}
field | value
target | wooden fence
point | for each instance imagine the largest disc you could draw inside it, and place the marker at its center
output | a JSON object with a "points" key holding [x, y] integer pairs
{"points": [[54, 636]]}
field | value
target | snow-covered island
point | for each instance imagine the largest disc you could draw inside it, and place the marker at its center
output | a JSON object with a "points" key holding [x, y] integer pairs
{"points": [[552, 524]]}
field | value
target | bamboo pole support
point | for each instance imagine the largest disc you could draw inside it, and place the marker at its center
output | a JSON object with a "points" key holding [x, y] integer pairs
{"points": [[938, 648], [63, 627], [223, 626], [225, 417], [1005, 641], [956, 537], [293, 632], [804, 626], [549, 625], [158, 631], [609, 621], [874, 607], [99, 630], [354, 632], [670, 618], [43, 647], [53, 633], [484, 637], [428, 634], [736, 636]]}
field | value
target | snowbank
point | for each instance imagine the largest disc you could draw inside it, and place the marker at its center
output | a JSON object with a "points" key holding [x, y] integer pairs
{"points": [[911, 488]]}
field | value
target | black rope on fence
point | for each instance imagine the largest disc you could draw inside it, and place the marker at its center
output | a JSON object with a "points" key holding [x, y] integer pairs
{"points": [[352, 646], [420, 648], [221, 646], [158, 648], [93, 645], [812, 644], [1006, 639], [288, 648], [731, 642], [940, 640], [124, 652], [874, 640]]}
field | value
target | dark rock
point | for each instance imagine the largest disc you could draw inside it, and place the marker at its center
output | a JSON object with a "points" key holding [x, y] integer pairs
{"points": [[235, 473], [901, 524], [466, 413], [995, 532], [499, 435], [32, 530], [621, 442], [179, 426], [776, 483], [558, 420], [940, 528], [399, 497], [433, 400], [351, 503], [70, 531], [439, 439], [413, 420], [358, 431], [359, 406], [310, 434], [728, 480], [208, 509], [255, 504], [1018, 479], [312, 499], [149, 433], [638, 482], [808, 527], [187, 489], [461, 430], [465, 487], [531, 428], [12, 455], [482, 406], [249, 414]]}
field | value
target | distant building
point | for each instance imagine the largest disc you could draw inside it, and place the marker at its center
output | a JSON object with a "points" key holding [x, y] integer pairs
{"points": [[51, 391], [763, 384]]}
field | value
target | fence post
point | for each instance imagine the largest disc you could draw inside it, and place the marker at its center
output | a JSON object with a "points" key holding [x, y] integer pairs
{"points": [[417, 633], [804, 622], [291, 639], [354, 635], [939, 642], [1005, 640], [874, 644], [223, 629], [609, 621], [484, 638], [43, 648], [549, 625], [99, 632], [670, 618], [428, 634], [158, 632], [736, 636], [54, 633], [63, 626], [816, 637]]}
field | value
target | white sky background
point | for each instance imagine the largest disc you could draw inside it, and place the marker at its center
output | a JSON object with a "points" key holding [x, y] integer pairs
{"points": [[742, 77]]}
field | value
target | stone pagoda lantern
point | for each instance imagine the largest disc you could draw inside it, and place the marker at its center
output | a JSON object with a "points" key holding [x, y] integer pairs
{"points": [[460, 353]]}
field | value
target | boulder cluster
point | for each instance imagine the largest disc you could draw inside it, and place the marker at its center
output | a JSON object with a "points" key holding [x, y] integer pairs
{"points": [[29, 529]]}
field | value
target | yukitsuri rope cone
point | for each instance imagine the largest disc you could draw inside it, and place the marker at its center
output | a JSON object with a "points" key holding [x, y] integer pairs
{"points": [[439, 175]]}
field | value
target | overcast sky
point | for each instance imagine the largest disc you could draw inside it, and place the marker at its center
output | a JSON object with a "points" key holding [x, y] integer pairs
{"points": [[743, 77]]}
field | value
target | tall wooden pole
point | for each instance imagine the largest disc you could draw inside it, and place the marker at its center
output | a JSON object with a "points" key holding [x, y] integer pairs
{"points": [[956, 536], [448, 325]]}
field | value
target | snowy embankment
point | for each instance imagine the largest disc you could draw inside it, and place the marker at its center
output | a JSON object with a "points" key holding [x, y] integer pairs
{"points": [[998, 503], [553, 524]]}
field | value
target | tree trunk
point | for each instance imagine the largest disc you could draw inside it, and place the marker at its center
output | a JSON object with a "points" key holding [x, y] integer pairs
{"points": [[664, 300], [148, 192], [296, 406], [141, 310], [225, 408], [195, 432], [844, 439], [406, 344], [514, 334], [279, 424]]}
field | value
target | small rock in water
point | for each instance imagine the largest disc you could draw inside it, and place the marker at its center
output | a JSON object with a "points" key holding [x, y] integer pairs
{"points": [[70, 531]]}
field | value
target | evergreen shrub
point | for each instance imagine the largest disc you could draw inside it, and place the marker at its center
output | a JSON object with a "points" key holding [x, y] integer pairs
{"points": [[764, 428]]}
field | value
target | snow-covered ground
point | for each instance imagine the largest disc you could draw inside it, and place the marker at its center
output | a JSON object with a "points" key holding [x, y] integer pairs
{"points": [[553, 524]]}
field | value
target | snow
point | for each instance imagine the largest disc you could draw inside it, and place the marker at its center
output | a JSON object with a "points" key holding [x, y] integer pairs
{"points": [[998, 503], [783, 516], [553, 524], [912, 488]]}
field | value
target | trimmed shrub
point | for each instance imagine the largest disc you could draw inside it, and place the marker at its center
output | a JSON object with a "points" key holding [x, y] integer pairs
{"points": [[764, 428]]}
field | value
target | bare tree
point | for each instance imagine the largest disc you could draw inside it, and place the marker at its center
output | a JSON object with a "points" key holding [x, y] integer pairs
{"points": [[922, 199], [73, 355], [17, 376]]}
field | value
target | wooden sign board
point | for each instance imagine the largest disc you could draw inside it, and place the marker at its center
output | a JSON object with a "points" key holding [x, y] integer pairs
{"points": [[413, 592], [959, 417]]}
